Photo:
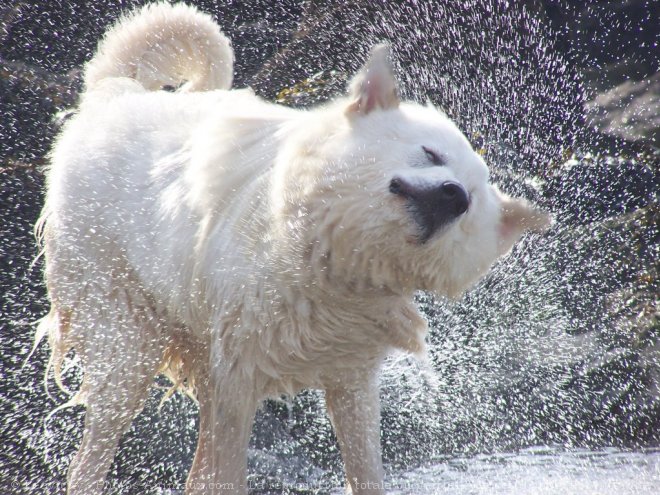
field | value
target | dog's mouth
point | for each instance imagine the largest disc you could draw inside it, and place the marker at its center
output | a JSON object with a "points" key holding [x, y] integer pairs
{"points": [[430, 228], [432, 207]]}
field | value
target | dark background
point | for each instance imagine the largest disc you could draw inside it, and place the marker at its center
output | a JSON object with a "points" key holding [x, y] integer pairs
{"points": [[583, 123]]}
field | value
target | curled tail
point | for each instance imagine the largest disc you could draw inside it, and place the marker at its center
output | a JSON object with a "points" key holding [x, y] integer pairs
{"points": [[164, 45]]}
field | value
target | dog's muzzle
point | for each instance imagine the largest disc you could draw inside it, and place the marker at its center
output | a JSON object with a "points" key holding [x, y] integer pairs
{"points": [[432, 206]]}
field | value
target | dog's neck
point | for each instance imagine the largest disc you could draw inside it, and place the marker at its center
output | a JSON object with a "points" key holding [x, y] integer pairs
{"points": [[393, 319]]}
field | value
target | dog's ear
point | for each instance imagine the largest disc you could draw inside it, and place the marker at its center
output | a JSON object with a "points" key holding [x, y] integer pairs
{"points": [[517, 216], [374, 87]]}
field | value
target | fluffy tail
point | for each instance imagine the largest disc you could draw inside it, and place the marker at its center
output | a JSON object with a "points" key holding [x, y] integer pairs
{"points": [[164, 45]]}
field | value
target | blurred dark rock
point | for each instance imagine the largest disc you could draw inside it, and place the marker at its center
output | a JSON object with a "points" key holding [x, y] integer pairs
{"points": [[31, 97], [630, 110], [613, 40], [616, 44], [589, 187]]}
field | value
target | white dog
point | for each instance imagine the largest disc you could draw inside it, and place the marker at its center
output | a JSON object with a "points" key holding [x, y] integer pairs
{"points": [[246, 249]]}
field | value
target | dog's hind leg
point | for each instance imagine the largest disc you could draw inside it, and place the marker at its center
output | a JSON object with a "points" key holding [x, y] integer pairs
{"points": [[354, 410], [121, 352]]}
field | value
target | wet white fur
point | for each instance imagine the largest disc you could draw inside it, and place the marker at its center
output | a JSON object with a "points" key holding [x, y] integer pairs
{"points": [[247, 248]]}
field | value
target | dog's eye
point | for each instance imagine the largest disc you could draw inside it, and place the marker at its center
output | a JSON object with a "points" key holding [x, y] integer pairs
{"points": [[433, 157]]}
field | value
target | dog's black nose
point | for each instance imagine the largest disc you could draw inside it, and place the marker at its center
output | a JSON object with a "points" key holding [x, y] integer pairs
{"points": [[454, 196], [432, 205]]}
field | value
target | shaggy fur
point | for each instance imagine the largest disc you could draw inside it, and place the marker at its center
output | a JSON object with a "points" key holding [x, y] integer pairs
{"points": [[246, 249]]}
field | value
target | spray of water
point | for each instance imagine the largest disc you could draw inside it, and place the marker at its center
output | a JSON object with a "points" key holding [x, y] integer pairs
{"points": [[557, 346]]}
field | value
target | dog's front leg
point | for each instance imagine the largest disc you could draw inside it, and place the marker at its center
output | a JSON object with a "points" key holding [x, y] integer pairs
{"points": [[226, 414], [354, 410]]}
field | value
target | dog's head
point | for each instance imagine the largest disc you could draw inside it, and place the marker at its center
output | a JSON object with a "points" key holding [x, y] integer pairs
{"points": [[393, 195]]}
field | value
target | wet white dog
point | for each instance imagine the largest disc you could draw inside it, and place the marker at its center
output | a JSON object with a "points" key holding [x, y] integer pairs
{"points": [[246, 249]]}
